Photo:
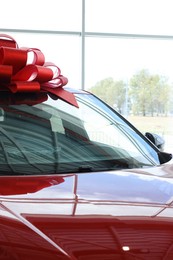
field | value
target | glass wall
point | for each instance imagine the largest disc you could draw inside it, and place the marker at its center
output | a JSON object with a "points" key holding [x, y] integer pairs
{"points": [[121, 58], [130, 17], [93, 40], [52, 15], [118, 37]]}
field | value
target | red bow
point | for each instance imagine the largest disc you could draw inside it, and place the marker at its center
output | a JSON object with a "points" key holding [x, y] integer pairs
{"points": [[20, 76]]}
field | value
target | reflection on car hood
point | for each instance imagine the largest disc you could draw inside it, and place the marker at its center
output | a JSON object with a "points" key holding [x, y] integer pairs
{"points": [[88, 215]]}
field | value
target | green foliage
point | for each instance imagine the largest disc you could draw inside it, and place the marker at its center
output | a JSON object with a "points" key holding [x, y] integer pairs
{"points": [[112, 92], [148, 94]]}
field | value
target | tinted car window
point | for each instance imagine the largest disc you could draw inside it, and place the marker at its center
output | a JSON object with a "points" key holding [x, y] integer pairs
{"points": [[55, 137]]}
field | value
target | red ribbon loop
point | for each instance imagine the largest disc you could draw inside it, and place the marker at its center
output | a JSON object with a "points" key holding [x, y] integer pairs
{"points": [[38, 56], [5, 74], [14, 57], [8, 41], [19, 74], [18, 86]]}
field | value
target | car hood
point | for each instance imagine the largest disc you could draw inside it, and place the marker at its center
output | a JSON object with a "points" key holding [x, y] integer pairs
{"points": [[59, 216]]}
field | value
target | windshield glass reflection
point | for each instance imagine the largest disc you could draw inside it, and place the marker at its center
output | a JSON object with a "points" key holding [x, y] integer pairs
{"points": [[55, 137]]}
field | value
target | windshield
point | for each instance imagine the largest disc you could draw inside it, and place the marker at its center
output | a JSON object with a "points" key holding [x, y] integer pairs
{"points": [[55, 137]]}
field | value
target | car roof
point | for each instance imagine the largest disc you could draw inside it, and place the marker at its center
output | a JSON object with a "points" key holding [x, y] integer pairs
{"points": [[76, 90]]}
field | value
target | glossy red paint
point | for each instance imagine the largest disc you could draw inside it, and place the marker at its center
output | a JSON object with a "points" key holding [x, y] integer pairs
{"points": [[81, 216]]}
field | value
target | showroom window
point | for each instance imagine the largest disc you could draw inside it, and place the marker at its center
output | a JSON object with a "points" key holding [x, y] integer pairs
{"points": [[97, 41]]}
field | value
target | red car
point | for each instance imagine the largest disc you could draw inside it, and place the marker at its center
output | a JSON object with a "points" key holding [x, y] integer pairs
{"points": [[80, 182], [77, 180]]}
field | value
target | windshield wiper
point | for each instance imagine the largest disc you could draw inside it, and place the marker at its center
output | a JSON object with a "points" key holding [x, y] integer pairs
{"points": [[85, 168]]}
